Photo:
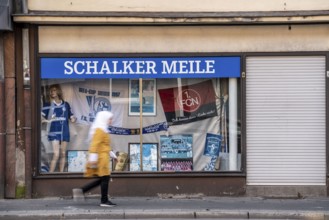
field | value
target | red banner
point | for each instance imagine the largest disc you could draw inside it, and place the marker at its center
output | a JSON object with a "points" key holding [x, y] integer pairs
{"points": [[189, 103]]}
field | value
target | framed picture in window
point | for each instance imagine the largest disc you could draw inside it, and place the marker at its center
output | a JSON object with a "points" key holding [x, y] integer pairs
{"points": [[149, 157], [176, 152], [176, 146], [76, 160], [148, 99]]}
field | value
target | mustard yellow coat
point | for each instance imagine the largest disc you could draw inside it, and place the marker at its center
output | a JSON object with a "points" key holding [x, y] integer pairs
{"points": [[100, 144]]}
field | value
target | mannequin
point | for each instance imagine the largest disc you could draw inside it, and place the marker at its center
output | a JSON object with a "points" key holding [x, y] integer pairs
{"points": [[57, 113]]}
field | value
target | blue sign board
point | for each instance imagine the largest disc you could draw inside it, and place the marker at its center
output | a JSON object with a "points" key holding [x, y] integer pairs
{"points": [[160, 67]]}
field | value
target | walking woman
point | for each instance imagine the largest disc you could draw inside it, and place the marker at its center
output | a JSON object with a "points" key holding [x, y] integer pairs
{"points": [[98, 158]]}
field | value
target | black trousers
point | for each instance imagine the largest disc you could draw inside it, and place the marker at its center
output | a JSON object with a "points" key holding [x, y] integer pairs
{"points": [[103, 181]]}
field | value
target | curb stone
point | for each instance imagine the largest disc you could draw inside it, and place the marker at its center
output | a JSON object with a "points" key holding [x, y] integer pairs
{"points": [[168, 214], [222, 214], [164, 214], [285, 215], [41, 214]]}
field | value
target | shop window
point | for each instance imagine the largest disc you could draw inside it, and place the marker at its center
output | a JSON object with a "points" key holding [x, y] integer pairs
{"points": [[160, 125], [185, 124]]}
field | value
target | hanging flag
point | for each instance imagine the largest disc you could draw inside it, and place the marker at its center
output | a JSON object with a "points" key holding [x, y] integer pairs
{"points": [[213, 145], [189, 103], [90, 99], [135, 131]]}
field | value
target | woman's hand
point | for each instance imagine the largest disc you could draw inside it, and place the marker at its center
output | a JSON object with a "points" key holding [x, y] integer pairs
{"points": [[92, 165]]}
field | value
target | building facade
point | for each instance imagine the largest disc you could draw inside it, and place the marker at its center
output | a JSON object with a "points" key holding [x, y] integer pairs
{"points": [[210, 98]]}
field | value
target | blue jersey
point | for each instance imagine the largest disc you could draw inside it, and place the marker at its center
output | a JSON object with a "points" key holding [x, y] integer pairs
{"points": [[59, 116]]}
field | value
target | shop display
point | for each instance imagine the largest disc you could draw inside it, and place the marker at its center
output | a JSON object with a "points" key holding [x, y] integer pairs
{"points": [[121, 162], [212, 149], [76, 160], [149, 157], [149, 97], [176, 152], [186, 131], [177, 165], [186, 104], [57, 114], [213, 145]]}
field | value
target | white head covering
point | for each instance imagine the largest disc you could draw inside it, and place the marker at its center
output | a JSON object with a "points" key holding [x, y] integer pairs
{"points": [[101, 121]]}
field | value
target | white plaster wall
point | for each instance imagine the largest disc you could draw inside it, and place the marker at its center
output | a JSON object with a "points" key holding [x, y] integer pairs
{"points": [[177, 5], [177, 39]]}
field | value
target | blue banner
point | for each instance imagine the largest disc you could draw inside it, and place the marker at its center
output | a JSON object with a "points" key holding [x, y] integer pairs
{"points": [[161, 67], [213, 145], [163, 126], [155, 128]]}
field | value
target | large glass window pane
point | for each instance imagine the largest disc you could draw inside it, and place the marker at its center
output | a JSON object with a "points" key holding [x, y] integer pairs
{"points": [[185, 123], [196, 112], [68, 109]]}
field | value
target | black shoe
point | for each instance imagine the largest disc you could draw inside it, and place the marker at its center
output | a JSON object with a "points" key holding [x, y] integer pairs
{"points": [[108, 204]]}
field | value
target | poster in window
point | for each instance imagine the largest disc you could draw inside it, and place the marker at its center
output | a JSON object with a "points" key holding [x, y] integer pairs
{"points": [[213, 145], [149, 157], [176, 146], [189, 103], [148, 99], [176, 152], [76, 160]]}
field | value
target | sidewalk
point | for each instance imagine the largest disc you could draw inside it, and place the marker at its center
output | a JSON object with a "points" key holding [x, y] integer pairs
{"points": [[171, 208]]}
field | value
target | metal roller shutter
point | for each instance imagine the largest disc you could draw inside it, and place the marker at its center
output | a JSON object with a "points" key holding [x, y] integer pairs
{"points": [[286, 114]]}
